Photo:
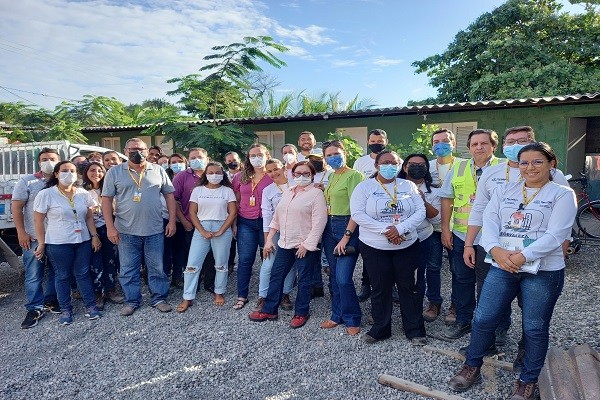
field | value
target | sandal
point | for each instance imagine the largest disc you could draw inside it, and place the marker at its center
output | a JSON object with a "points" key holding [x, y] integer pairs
{"points": [[183, 306], [219, 299], [240, 303]]}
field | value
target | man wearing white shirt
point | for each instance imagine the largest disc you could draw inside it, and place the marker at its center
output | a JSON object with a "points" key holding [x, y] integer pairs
{"points": [[307, 142]]}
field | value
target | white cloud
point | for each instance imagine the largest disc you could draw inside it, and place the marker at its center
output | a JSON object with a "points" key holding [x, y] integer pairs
{"points": [[386, 62], [313, 34], [113, 48], [343, 63]]}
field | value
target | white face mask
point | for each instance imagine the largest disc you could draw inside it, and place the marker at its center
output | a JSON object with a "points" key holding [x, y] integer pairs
{"points": [[67, 178], [258, 161], [289, 158], [214, 178], [47, 166], [302, 181]]}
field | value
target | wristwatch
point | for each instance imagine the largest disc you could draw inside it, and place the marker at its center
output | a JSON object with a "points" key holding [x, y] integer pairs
{"points": [[348, 233]]}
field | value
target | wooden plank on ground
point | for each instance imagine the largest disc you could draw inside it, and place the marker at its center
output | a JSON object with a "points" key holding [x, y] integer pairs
{"points": [[486, 360], [412, 387]]}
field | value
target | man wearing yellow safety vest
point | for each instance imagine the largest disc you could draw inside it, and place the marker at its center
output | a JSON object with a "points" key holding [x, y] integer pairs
{"points": [[458, 196]]}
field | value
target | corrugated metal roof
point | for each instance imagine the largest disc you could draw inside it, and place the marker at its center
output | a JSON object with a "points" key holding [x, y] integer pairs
{"points": [[406, 110]]}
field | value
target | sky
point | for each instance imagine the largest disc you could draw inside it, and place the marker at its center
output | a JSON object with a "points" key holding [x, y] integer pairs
{"points": [[56, 50]]}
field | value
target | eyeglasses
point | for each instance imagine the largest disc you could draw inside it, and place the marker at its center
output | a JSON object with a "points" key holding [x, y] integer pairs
{"points": [[257, 156], [137, 149], [304, 174], [534, 163], [510, 142], [328, 143]]}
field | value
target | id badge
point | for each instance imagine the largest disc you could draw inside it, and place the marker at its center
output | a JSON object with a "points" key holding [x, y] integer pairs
{"points": [[137, 197], [472, 199], [252, 201], [396, 219], [77, 226]]}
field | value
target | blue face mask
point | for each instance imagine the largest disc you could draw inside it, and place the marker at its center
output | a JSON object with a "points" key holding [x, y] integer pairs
{"points": [[164, 165], [512, 152], [177, 167], [442, 149], [389, 171], [336, 161], [197, 163]]}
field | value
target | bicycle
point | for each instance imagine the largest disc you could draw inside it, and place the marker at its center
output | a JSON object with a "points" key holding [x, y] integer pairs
{"points": [[588, 213]]}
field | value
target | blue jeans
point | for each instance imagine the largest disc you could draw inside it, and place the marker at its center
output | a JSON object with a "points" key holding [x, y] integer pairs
{"points": [[344, 302], [198, 251], [250, 237], [104, 263], [317, 276], [539, 295], [132, 250], [265, 273], [34, 278], [431, 258], [72, 260], [284, 261], [463, 283]]}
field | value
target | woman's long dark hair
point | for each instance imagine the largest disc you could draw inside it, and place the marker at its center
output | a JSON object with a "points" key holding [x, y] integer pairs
{"points": [[203, 180], [427, 178], [53, 181], [543, 148], [87, 184], [248, 169]]}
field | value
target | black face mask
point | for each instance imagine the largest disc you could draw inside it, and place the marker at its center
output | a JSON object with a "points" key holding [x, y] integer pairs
{"points": [[318, 165], [233, 165], [417, 171], [136, 157], [376, 148]]}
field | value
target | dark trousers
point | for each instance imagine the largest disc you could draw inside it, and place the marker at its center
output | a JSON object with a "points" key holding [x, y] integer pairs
{"points": [[386, 268], [232, 251]]}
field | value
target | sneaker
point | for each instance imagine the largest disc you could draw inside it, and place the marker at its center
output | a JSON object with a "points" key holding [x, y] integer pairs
{"points": [[115, 297], [365, 293], [298, 321], [99, 301], [127, 311], [286, 303], [66, 318], [457, 330], [501, 337], [259, 304], [432, 312], [467, 377], [518, 363], [258, 316], [368, 339], [52, 307], [317, 291], [92, 313], [525, 391], [32, 318], [450, 315], [418, 341], [163, 306]]}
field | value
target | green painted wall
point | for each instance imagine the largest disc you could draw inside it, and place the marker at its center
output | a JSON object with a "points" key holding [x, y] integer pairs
{"points": [[551, 124]]}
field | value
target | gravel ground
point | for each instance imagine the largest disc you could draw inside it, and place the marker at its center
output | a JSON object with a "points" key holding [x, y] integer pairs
{"points": [[217, 353]]}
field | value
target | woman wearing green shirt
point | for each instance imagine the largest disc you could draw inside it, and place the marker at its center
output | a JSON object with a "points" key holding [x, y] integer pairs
{"points": [[340, 240]]}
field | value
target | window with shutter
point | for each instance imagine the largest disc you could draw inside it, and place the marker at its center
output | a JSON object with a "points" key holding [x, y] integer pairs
{"points": [[461, 132]]}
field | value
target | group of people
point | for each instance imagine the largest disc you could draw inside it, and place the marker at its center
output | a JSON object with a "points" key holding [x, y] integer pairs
{"points": [[504, 223]]}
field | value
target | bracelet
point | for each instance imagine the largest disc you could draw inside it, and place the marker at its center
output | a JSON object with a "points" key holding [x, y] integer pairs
{"points": [[96, 235], [466, 245]]}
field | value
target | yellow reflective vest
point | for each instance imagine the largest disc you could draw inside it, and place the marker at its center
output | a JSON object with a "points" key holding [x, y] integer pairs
{"points": [[464, 185]]}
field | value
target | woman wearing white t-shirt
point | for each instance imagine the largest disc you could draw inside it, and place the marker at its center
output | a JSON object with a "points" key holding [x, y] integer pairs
{"points": [[213, 209], [524, 226], [63, 220], [388, 211]]}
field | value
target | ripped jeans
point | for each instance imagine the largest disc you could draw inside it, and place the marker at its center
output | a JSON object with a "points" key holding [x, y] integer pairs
{"points": [[198, 250]]}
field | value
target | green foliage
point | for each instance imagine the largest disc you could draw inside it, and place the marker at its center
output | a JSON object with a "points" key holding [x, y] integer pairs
{"points": [[353, 149], [420, 143], [524, 48], [216, 139]]}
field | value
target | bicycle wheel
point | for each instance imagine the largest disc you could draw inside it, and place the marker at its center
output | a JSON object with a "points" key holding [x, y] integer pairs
{"points": [[588, 219]]}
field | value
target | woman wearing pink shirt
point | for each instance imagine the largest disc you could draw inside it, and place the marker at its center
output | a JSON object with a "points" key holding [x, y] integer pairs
{"points": [[300, 220], [248, 186]]}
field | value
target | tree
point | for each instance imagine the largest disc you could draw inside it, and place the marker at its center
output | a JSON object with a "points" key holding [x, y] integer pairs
{"points": [[524, 48], [353, 149], [420, 143]]}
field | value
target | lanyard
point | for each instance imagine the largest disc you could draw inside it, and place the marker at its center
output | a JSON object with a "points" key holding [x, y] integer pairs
{"points": [[323, 176], [70, 200], [331, 185], [475, 180], [254, 185], [437, 168], [508, 173], [395, 196], [137, 182], [527, 200]]}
